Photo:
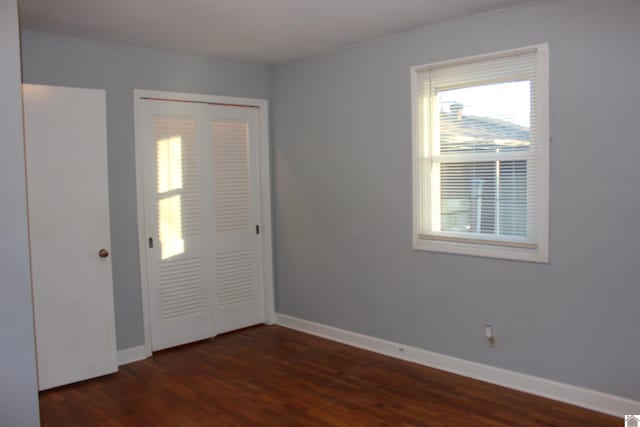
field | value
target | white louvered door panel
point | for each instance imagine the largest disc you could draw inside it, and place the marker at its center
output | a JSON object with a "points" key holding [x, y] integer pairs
{"points": [[178, 211], [234, 142]]}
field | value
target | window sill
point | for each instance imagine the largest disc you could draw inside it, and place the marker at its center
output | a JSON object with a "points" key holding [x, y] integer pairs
{"points": [[539, 254]]}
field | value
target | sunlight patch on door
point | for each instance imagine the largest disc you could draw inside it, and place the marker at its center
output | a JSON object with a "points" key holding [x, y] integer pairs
{"points": [[170, 224], [169, 157], [169, 175]]}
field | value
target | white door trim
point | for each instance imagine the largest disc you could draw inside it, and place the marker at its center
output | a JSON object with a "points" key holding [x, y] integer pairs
{"points": [[265, 194]]}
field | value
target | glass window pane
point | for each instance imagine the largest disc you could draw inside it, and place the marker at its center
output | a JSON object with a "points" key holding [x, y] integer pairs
{"points": [[487, 118], [513, 198], [484, 197], [468, 197]]}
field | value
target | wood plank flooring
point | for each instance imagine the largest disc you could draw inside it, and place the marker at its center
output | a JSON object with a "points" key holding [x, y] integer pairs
{"points": [[272, 376]]}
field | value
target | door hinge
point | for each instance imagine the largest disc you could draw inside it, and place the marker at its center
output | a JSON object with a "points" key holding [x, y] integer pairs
{"points": [[150, 242], [257, 229]]}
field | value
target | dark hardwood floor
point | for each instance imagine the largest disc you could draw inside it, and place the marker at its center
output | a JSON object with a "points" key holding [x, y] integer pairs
{"points": [[272, 376]]}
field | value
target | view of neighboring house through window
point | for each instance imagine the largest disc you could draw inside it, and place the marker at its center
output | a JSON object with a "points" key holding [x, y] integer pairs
{"points": [[481, 155], [484, 197]]}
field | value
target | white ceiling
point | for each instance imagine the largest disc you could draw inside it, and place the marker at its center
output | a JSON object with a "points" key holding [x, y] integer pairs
{"points": [[264, 30]]}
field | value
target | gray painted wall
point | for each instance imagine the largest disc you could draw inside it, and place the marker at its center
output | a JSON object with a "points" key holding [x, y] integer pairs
{"points": [[18, 386], [119, 69], [342, 176]]}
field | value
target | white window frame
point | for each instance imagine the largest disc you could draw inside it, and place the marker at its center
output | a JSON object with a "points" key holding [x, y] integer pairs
{"points": [[474, 246]]}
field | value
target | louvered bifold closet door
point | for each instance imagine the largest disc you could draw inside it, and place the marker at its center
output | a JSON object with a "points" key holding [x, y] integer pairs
{"points": [[234, 142], [181, 279]]}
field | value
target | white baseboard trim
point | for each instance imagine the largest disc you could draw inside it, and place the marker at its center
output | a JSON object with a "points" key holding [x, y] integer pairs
{"points": [[130, 355], [583, 397]]}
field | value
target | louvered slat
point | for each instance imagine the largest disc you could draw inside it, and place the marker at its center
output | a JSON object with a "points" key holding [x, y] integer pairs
{"points": [[181, 288], [235, 277], [232, 198]]}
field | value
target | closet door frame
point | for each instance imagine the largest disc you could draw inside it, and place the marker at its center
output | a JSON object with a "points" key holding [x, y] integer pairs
{"points": [[139, 96]]}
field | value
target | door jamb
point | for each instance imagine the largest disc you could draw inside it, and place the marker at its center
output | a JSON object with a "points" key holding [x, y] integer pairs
{"points": [[265, 194]]}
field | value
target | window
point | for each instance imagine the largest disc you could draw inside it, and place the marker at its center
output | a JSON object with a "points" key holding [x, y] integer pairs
{"points": [[481, 155]]}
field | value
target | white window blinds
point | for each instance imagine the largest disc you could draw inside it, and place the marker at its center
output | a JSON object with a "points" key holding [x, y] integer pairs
{"points": [[481, 154]]}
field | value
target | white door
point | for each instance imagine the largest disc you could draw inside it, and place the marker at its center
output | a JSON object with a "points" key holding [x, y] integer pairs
{"points": [[66, 151], [201, 199], [178, 210], [236, 195]]}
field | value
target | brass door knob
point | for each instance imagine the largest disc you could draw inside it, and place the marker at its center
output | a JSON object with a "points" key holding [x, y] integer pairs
{"points": [[103, 253]]}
